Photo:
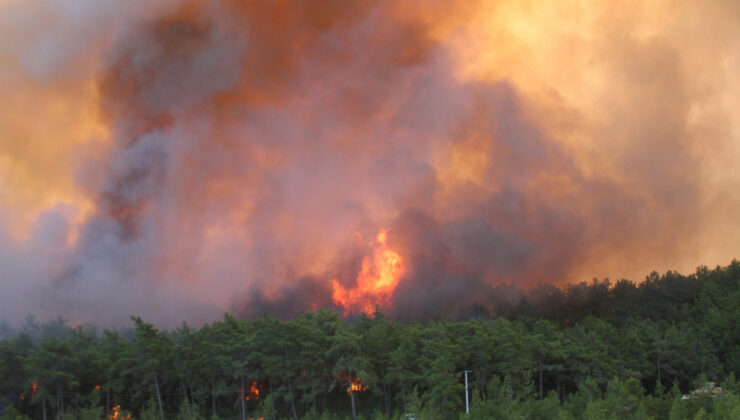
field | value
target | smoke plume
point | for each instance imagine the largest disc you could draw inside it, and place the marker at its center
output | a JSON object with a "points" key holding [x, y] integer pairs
{"points": [[178, 159]]}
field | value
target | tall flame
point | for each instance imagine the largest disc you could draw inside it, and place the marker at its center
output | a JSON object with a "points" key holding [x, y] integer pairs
{"points": [[377, 280]]}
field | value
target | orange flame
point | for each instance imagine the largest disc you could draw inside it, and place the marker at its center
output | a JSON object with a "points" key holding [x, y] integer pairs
{"points": [[376, 281], [116, 413], [252, 392], [356, 385], [34, 388]]}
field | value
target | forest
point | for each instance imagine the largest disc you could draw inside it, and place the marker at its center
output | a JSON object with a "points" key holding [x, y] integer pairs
{"points": [[667, 347]]}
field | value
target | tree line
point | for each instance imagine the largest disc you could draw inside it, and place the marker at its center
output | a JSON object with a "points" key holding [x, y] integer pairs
{"points": [[591, 350]]}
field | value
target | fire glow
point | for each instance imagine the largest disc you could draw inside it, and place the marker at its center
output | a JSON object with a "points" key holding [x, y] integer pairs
{"points": [[377, 280], [356, 385], [228, 150], [252, 392], [34, 388], [117, 414]]}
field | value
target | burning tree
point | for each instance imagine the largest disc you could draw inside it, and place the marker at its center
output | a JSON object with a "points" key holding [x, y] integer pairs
{"points": [[52, 363], [350, 363]]}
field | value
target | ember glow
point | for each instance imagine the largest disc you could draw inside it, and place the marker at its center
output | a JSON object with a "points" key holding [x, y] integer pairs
{"points": [[252, 392], [356, 385], [117, 414], [34, 388], [378, 277], [181, 158]]}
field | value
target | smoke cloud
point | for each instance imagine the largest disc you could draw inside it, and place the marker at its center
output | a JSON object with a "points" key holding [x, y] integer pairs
{"points": [[178, 159]]}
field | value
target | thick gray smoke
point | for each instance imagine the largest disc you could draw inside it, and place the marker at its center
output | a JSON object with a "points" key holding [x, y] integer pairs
{"points": [[253, 150]]}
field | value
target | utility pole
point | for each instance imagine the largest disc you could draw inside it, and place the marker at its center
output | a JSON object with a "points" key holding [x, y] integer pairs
{"points": [[467, 404]]}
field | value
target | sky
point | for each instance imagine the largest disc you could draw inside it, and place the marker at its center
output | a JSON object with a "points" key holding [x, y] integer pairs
{"points": [[178, 159]]}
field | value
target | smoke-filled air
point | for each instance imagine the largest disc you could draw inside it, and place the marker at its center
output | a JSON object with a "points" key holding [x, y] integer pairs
{"points": [[179, 159]]}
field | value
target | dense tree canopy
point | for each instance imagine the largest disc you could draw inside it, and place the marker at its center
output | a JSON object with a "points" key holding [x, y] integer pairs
{"points": [[595, 351]]}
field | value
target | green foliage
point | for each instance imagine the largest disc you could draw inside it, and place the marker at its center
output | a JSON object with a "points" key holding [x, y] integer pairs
{"points": [[12, 414], [188, 411], [149, 412], [590, 350], [92, 413]]}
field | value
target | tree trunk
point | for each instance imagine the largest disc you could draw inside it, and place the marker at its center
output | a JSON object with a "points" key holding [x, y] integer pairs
{"points": [[292, 407], [192, 400], [352, 397], [511, 376], [241, 398], [159, 398], [324, 401], [659, 373], [213, 397], [272, 406], [60, 402], [403, 395], [184, 391], [292, 401], [107, 398], [187, 399], [565, 392], [387, 401], [541, 366], [44, 406]]}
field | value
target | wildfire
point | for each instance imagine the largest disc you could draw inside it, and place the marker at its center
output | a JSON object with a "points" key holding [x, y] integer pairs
{"points": [[117, 414], [356, 385], [376, 281], [34, 388], [252, 392]]}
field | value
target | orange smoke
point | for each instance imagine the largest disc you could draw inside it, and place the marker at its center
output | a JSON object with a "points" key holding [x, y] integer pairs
{"points": [[377, 280], [175, 149]]}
